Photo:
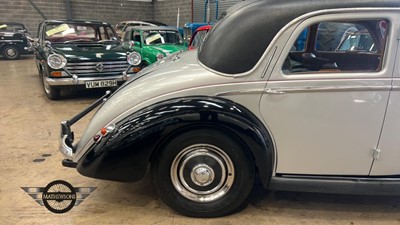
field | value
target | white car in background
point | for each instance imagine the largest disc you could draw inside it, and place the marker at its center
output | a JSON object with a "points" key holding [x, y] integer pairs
{"points": [[120, 28]]}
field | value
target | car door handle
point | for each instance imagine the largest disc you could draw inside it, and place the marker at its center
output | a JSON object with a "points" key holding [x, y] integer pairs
{"points": [[274, 92]]}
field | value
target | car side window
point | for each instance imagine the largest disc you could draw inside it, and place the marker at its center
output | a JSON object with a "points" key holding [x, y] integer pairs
{"points": [[103, 35], [136, 36], [338, 46], [301, 41], [110, 33], [127, 36]]}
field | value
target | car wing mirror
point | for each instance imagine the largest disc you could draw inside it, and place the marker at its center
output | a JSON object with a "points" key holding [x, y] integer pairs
{"points": [[134, 43], [47, 44]]}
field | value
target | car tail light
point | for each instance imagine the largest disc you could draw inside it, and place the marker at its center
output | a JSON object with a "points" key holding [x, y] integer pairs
{"points": [[103, 131]]}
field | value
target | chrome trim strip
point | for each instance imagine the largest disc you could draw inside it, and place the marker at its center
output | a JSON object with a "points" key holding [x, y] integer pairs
{"points": [[329, 89], [241, 92], [11, 41], [82, 80], [308, 89], [91, 67], [94, 63], [110, 70]]}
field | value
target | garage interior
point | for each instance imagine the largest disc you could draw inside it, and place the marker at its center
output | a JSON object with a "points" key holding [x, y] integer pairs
{"points": [[29, 134]]}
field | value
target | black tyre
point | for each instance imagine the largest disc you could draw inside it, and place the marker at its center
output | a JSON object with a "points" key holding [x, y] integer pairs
{"points": [[52, 93], [11, 52], [204, 173]]}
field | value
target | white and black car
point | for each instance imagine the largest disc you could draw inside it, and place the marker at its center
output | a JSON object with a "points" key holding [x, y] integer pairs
{"points": [[305, 95]]}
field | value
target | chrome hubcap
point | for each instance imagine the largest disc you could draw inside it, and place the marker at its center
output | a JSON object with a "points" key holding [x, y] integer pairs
{"points": [[11, 52], [202, 173]]}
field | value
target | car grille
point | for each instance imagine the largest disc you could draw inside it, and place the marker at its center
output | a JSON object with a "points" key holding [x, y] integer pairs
{"points": [[97, 68]]}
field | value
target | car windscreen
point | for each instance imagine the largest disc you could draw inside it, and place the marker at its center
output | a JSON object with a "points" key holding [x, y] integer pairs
{"points": [[4, 27], [120, 26], [152, 37], [65, 32]]}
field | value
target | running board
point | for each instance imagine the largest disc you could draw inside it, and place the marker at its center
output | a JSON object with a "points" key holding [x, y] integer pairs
{"points": [[345, 185]]}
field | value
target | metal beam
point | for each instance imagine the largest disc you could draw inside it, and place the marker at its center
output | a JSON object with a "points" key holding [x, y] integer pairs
{"points": [[37, 9]]}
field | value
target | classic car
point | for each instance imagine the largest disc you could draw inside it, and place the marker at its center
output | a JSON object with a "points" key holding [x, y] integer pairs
{"points": [[81, 54], [157, 23], [198, 36], [153, 43], [189, 29], [251, 103], [14, 40], [121, 27]]}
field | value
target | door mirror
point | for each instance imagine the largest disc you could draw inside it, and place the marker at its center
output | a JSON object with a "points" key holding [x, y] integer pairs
{"points": [[134, 43], [47, 44]]}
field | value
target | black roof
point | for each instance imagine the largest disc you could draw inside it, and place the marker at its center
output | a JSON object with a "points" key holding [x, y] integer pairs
{"points": [[239, 39]]}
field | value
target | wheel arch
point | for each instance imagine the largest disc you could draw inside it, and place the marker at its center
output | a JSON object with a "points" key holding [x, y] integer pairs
{"points": [[131, 147]]}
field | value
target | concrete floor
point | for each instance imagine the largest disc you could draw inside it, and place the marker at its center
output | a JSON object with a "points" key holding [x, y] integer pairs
{"points": [[29, 128]]}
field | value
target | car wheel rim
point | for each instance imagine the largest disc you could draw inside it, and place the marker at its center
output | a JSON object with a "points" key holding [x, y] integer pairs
{"points": [[202, 173], [11, 52]]}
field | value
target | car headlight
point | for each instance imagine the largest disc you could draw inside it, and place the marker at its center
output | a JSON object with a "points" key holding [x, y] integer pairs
{"points": [[160, 56], [134, 58], [56, 61]]}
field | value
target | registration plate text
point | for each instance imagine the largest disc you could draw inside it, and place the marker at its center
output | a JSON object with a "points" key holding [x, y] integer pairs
{"points": [[101, 83]]}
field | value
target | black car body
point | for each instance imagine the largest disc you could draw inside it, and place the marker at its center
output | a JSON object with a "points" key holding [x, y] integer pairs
{"points": [[14, 40]]}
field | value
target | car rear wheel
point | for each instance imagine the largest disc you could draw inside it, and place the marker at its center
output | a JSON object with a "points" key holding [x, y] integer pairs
{"points": [[11, 52], [51, 92], [204, 173]]}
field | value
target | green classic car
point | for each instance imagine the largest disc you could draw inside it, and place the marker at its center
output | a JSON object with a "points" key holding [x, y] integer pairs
{"points": [[153, 43], [81, 54]]}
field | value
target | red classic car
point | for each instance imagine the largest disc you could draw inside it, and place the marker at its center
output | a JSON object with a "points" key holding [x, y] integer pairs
{"points": [[199, 36]]}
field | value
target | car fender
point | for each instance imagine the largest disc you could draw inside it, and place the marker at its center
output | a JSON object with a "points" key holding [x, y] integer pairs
{"points": [[124, 153]]}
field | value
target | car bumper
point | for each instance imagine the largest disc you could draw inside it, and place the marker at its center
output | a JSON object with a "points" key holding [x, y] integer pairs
{"points": [[65, 144], [67, 136], [75, 80]]}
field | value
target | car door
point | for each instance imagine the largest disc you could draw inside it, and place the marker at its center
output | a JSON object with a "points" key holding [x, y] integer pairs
{"points": [[387, 154], [324, 119]]}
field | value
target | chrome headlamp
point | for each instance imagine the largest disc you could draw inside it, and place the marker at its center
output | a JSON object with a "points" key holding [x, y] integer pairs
{"points": [[134, 58], [56, 61]]}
